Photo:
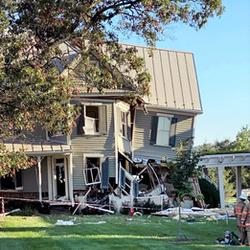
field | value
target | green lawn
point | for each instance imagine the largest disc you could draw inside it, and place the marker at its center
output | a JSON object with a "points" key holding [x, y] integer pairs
{"points": [[118, 232]]}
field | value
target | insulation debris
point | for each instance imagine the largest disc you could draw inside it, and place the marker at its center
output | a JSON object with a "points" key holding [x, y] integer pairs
{"points": [[194, 212], [65, 223]]}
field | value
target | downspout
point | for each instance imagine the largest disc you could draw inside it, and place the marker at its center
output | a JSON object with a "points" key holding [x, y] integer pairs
{"points": [[116, 143]]}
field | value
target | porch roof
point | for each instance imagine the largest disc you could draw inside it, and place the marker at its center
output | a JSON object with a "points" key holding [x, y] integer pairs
{"points": [[38, 148]]}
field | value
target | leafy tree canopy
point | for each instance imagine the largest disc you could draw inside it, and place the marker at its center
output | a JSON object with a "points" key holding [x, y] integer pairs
{"points": [[31, 32], [184, 167]]}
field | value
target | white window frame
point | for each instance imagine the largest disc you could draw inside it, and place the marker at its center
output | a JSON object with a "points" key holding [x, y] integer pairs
{"points": [[95, 120], [98, 105], [124, 123], [92, 155], [169, 117]]}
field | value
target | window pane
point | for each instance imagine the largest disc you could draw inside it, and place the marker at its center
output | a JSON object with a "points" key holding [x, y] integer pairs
{"points": [[163, 123], [162, 138], [163, 131], [124, 123]]}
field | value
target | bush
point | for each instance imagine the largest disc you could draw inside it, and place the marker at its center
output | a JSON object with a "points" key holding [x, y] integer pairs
{"points": [[210, 192]]}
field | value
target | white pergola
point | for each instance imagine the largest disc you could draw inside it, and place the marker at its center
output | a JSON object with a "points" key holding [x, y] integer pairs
{"points": [[220, 161]]}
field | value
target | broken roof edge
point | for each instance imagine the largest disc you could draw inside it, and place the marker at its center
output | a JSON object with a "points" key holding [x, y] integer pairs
{"points": [[158, 108]]}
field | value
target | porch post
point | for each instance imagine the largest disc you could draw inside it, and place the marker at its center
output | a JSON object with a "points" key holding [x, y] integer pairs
{"points": [[238, 181], [66, 178], [116, 144], [39, 177], [70, 178], [221, 186], [49, 167]]}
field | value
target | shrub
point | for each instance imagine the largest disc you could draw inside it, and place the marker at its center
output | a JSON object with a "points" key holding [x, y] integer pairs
{"points": [[210, 192]]}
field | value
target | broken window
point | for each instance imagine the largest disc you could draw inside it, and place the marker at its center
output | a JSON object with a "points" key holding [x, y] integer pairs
{"points": [[91, 171], [124, 124], [92, 120], [127, 183]]}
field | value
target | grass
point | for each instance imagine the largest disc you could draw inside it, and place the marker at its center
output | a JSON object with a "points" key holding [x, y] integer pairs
{"points": [[115, 232]]}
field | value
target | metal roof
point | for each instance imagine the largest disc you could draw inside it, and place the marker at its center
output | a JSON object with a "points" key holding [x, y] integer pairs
{"points": [[174, 81]]}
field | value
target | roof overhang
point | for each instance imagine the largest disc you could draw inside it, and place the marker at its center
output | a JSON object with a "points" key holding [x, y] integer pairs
{"points": [[173, 110], [225, 160], [36, 149]]}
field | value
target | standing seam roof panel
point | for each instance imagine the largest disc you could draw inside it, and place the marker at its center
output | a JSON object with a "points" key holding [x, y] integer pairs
{"points": [[193, 82], [159, 80], [184, 81], [149, 65], [176, 81]]}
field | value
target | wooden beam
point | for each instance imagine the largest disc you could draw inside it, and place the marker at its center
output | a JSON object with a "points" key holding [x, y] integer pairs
{"points": [[221, 186], [70, 168], [238, 181]]}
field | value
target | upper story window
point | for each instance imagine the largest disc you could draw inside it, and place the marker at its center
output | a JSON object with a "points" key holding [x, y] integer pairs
{"points": [[92, 120], [163, 130], [124, 124]]}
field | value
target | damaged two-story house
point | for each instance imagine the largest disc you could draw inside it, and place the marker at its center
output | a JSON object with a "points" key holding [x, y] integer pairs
{"points": [[113, 139]]}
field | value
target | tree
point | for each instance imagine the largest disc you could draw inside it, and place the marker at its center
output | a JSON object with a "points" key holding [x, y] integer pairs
{"points": [[10, 161], [183, 167], [31, 31], [242, 144]]}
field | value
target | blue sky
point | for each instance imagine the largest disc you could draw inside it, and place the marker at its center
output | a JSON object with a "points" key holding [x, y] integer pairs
{"points": [[222, 56]]}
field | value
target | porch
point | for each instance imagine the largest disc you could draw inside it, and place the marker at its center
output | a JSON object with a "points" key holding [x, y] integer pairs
{"points": [[50, 179]]}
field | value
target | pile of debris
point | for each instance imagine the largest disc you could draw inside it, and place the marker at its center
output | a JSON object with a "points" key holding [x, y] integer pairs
{"points": [[196, 213], [144, 188]]}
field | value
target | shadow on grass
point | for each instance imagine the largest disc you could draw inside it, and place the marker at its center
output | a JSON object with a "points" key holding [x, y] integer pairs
{"points": [[22, 229]]}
